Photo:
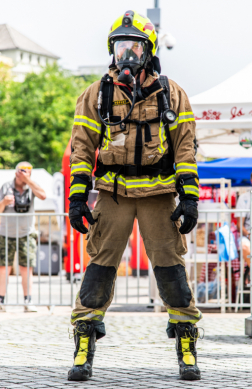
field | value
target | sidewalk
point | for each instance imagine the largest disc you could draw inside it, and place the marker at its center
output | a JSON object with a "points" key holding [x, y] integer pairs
{"points": [[136, 353]]}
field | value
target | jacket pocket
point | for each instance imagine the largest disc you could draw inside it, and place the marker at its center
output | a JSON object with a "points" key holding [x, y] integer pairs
{"points": [[150, 112], [109, 157], [179, 239], [94, 235]]}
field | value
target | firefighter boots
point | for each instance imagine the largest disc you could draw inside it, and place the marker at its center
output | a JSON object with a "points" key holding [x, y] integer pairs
{"points": [[186, 337], [84, 337]]}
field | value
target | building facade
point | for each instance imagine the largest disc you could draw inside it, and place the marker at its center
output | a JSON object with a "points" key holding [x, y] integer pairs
{"points": [[26, 55]]}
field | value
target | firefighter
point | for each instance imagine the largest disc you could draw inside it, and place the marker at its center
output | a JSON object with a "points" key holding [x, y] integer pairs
{"points": [[143, 125]]}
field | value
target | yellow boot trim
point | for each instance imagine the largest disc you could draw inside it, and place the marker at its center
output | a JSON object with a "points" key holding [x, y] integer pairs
{"points": [[188, 358], [81, 357]]}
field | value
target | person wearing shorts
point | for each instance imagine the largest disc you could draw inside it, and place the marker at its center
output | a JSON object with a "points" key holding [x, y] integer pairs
{"points": [[17, 235]]}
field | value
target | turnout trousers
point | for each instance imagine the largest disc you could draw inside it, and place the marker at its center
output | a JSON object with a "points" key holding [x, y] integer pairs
{"points": [[107, 240]]}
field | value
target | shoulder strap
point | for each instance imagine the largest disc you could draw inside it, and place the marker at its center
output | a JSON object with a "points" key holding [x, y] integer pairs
{"points": [[166, 87], [107, 100], [165, 84]]}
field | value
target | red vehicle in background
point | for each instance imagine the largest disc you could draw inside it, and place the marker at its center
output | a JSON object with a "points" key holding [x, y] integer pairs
{"points": [[77, 237]]}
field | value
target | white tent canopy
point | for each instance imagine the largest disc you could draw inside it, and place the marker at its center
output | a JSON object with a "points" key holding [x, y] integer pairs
{"points": [[227, 105], [222, 113]]}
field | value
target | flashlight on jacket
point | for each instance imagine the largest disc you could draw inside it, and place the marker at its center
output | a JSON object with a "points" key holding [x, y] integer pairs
{"points": [[169, 115]]}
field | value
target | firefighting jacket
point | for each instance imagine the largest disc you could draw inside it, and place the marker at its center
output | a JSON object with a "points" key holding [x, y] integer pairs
{"points": [[118, 145]]}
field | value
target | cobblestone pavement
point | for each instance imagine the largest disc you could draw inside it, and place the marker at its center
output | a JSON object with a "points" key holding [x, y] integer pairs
{"points": [[36, 352]]}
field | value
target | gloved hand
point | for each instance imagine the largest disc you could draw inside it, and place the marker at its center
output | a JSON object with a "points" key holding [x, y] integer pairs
{"points": [[188, 208], [187, 188], [80, 185], [77, 209]]}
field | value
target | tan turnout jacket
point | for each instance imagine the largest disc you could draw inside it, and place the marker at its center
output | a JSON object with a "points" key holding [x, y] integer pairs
{"points": [[119, 146]]}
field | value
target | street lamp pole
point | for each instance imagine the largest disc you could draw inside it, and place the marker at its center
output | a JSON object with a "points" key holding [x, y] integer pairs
{"points": [[154, 15]]}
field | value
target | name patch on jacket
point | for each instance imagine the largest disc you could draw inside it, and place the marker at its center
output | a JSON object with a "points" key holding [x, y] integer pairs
{"points": [[120, 102]]}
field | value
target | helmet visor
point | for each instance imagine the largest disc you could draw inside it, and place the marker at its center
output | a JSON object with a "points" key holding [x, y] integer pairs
{"points": [[126, 50]]}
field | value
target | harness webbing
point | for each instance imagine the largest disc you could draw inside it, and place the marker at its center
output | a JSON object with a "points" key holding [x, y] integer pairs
{"points": [[164, 166]]}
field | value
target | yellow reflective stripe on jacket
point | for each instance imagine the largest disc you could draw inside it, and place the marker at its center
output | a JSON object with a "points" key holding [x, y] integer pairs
{"points": [[173, 125], [177, 317], [162, 138], [191, 189], [81, 167], [138, 182], [186, 117], [186, 167], [182, 118], [107, 138], [80, 120], [77, 188]]}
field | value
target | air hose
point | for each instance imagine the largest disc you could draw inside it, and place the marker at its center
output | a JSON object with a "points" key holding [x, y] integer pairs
{"points": [[107, 123]]}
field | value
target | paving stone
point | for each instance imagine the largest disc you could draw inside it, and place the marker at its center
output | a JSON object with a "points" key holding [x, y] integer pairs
{"points": [[135, 354]]}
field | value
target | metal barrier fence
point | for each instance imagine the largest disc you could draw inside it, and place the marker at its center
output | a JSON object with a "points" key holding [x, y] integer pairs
{"points": [[53, 290]]}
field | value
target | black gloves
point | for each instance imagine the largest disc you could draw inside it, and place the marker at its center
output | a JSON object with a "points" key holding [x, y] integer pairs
{"points": [[188, 208], [78, 208], [187, 187]]}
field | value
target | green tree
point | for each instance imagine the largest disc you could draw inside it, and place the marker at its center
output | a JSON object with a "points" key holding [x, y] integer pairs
{"points": [[36, 117]]}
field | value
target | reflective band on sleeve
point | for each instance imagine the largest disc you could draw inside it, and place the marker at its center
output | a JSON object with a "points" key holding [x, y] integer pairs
{"points": [[107, 138], [162, 138], [173, 125], [186, 117], [186, 167], [94, 315], [77, 188], [177, 317], [183, 117], [80, 120], [137, 183], [191, 189], [81, 167]]}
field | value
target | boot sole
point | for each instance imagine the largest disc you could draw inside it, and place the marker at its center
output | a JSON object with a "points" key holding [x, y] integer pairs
{"points": [[78, 376], [190, 376]]}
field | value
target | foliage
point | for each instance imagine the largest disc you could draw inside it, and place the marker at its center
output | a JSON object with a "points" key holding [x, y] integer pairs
{"points": [[36, 117]]}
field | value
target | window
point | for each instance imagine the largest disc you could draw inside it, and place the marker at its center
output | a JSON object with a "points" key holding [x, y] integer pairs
{"points": [[30, 58], [21, 56]]}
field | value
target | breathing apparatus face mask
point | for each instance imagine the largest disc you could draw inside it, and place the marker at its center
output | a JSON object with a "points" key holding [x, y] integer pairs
{"points": [[130, 56]]}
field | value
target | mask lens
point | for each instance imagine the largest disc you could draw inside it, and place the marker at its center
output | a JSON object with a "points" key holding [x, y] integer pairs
{"points": [[129, 50]]}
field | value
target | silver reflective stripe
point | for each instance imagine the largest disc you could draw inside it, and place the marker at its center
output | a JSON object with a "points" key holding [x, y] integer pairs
{"points": [[191, 189], [77, 187], [88, 122], [162, 138], [88, 316], [80, 167], [173, 125], [184, 317], [186, 117], [92, 315], [138, 183], [187, 167]]}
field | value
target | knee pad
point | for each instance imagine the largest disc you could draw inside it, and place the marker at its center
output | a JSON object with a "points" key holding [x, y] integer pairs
{"points": [[173, 286], [97, 285]]}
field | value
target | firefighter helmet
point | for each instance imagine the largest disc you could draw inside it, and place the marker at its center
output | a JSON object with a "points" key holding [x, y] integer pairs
{"points": [[133, 25]]}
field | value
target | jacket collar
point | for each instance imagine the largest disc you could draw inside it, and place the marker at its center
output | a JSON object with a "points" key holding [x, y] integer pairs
{"points": [[148, 81]]}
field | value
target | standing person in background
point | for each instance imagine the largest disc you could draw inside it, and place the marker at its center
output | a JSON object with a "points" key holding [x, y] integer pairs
{"points": [[17, 196], [244, 203]]}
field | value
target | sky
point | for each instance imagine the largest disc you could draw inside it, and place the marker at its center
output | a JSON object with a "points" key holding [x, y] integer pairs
{"points": [[214, 37]]}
